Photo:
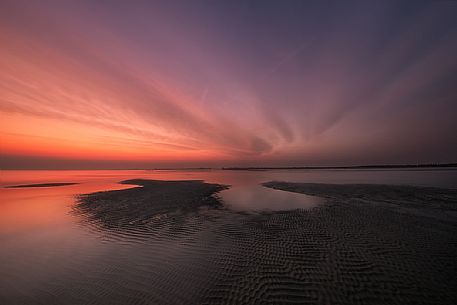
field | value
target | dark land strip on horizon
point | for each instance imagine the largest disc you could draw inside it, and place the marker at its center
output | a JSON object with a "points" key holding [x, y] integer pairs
{"points": [[384, 166]]}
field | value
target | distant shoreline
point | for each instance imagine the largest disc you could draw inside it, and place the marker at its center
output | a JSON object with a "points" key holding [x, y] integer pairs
{"points": [[41, 185], [253, 168], [387, 166]]}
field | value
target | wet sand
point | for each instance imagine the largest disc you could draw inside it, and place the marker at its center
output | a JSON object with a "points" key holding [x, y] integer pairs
{"points": [[41, 185], [368, 244], [137, 206]]}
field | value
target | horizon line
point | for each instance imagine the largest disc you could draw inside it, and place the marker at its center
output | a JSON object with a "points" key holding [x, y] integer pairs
{"points": [[374, 166]]}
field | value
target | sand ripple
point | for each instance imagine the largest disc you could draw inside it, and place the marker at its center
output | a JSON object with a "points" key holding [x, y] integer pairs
{"points": [[174, 243]]}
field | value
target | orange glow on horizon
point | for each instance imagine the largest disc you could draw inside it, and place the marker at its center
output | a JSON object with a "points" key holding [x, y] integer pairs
{"points": [[54, 138]]}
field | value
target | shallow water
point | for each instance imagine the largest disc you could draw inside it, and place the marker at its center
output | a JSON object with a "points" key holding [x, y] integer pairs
{"points": [[45, 250]]}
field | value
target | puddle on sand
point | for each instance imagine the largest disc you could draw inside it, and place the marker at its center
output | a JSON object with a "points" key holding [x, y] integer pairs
{"points": [[260, 198]]}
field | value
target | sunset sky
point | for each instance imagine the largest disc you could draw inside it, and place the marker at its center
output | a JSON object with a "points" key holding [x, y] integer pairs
{"points": [[122, 84]]}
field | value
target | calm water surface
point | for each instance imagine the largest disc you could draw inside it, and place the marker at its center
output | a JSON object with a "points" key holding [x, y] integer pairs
{"points": [[43, 245]]}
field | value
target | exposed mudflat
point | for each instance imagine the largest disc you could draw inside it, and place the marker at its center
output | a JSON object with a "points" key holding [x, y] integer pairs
{"points": [[41, 185], [138, 206], [368, 244]]}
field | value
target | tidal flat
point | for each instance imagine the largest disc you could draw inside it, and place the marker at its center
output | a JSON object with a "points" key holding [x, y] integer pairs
{"points": [[53, 184], [367, 244], [229, 237]]}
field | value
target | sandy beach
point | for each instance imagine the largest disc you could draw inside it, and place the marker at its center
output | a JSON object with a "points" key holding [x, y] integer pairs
{"points": [[367, 244]]}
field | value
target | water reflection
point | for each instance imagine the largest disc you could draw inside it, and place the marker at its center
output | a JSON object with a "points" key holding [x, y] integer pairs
{"points": [[43, 247], [32, 207], [43, 207], [260, 198]]}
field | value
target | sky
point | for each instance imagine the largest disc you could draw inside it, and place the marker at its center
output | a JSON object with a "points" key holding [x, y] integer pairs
{"points": [[148, 84]]}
